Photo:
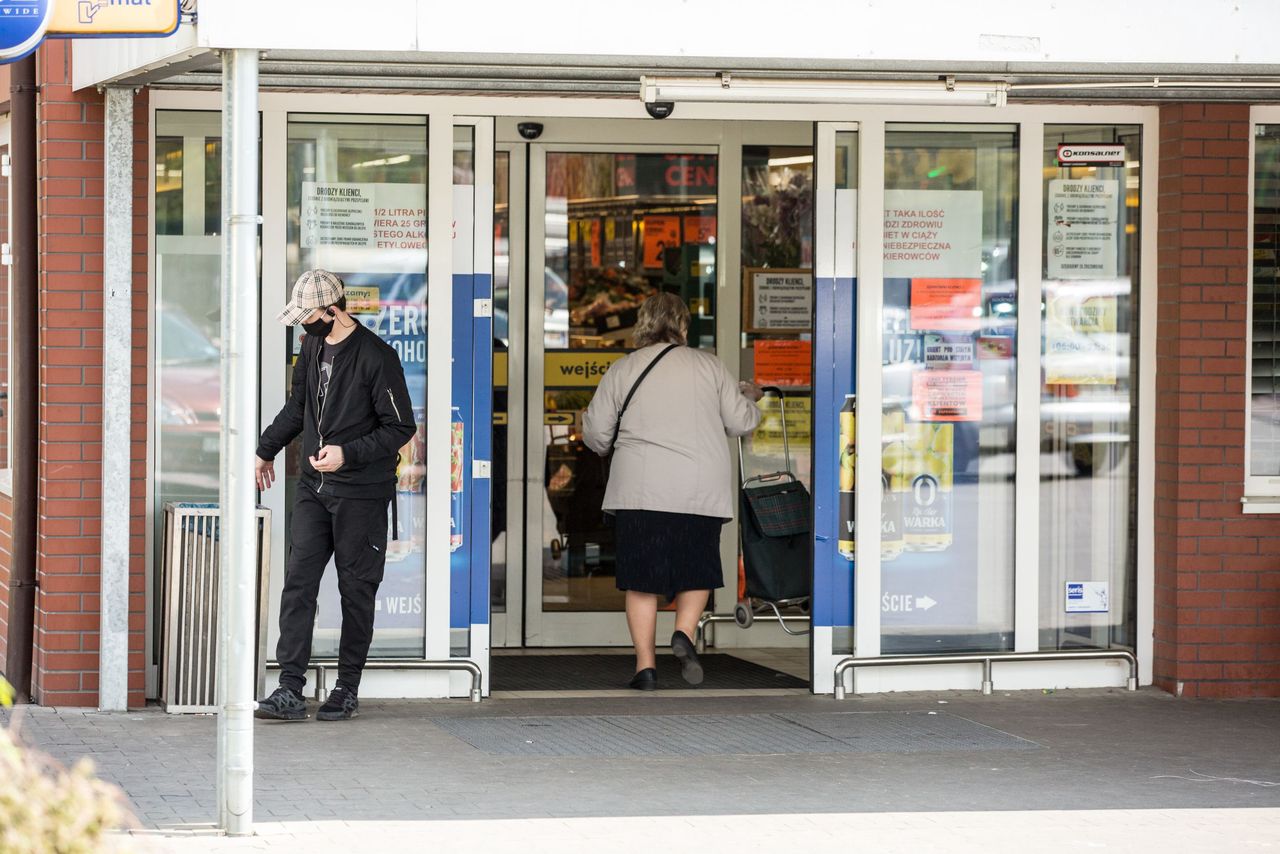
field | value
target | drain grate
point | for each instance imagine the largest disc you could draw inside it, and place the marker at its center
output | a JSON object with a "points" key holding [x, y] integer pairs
{"points": [[701, 735]]}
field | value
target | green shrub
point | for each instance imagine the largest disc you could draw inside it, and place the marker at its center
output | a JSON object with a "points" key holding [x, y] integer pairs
{"points": [[47, 808]]}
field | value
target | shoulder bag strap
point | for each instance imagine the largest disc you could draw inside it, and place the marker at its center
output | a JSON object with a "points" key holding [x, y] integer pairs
{"points": [[631, 394]]}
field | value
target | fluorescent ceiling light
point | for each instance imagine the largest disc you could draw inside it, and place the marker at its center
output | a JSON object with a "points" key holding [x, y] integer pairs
{"points": [[723, 87], [805, 160]]}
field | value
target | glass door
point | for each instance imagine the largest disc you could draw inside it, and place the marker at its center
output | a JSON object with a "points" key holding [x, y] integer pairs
{"points": [[608, 226]]}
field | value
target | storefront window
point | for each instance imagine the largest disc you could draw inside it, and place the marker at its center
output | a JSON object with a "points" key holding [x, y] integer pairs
{"points": [[777, 343], [374, 235], [1088, 549], [1263, 458], [949, 322], [619, 227], [188, 312]]}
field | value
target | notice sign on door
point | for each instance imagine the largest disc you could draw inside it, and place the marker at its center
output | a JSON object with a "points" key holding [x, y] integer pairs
{"points": [[1087, 597], [783, 363], [932, 234], [947, 395], [954, 305], [778, 300], [1082, 235], [364, 216]]}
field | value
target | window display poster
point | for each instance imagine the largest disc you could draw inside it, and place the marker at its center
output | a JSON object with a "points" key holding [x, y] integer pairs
{"points": [[660, 234], [1087, 597], [950, 304], [699, 229], [368, 227], [1080, 339], [945, 352], [783, 363], [947, 395], [933, 234], [1082, 235]]}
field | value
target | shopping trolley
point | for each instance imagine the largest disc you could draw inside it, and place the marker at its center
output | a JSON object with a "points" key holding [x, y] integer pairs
{"points": [[777, 526]]}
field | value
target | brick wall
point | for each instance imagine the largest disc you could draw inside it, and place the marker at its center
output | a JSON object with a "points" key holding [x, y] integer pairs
{"points": [[70, 139], [1217, 610]]}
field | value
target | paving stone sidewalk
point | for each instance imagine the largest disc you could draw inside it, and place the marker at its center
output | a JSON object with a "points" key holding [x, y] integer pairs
{"points": [[748, 772]]}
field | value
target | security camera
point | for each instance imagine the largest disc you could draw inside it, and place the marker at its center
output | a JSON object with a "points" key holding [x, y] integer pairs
{"points": [[659, 109], [530, 130]]}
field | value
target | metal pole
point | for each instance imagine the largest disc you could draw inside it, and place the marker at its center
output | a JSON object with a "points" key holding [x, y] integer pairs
{"points": [[117, 385], [238, 537]]}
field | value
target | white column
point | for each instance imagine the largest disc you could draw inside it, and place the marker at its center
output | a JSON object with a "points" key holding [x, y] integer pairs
{"points": [[117, 350], [238, 568], [1026, 486], [439, 387], [866, 594]]}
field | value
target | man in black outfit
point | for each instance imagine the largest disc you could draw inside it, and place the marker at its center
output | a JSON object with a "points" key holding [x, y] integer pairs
{"points": [[351, 406]]}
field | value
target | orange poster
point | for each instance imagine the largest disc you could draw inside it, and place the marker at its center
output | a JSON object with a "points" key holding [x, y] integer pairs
{"points": [[947, 395], [596, 250], [784, 363], [660, 233], [699, 229], [951, 304]]}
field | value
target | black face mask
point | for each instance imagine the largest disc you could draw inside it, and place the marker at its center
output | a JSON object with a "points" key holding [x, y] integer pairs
{"points": [[318, 328]]}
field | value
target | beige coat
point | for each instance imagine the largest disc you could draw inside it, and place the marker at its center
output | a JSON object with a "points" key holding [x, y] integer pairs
{"points": [[671, 454]]}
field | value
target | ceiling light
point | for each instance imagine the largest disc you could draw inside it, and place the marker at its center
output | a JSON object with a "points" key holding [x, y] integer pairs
{"points": [[724, 87]]}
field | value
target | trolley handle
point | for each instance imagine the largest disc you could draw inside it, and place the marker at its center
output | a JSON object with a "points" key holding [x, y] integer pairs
{"points": [[765, 391]]}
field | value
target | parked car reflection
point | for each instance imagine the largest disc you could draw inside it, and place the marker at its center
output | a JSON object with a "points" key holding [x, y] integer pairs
{"points": [[188, 408]]}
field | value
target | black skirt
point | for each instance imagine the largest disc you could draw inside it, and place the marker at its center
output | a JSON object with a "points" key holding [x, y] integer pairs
{"points": [[667, 553]]}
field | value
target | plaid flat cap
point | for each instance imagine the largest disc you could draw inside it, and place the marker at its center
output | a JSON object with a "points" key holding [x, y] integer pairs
{"points": [[314, 289]]}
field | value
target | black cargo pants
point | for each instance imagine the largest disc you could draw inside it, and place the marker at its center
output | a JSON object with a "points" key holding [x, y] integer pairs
{"points": [[354, 532]]}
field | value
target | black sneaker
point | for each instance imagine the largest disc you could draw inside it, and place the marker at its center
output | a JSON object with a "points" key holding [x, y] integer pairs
{"points": [[284, 704], [341, 705], [690, 666]]}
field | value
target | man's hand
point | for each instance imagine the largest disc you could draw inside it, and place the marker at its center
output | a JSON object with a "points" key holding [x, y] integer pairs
{"points": [[264, 472], [751, 390], [329, 459]]}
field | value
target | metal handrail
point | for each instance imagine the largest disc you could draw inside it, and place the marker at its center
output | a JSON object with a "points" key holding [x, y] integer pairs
{"points": [[322, 666], [987, 659], [709, 621]]}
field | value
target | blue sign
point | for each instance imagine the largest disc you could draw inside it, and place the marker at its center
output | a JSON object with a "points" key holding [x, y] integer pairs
{"points": [[22, 26]]}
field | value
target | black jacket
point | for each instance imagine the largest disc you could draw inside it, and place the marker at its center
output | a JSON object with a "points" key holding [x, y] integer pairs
{"points": [[367, 413]]}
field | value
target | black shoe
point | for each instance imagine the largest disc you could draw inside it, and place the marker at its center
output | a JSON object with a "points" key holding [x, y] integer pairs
{"points": [[284, 704], [342, 704], [690, 666], [645, 680]]}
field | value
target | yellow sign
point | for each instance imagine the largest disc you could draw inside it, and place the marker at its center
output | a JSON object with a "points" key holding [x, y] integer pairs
{"points": [[499, 419], [114, 18], [557, 418], [578, 369], [767, 440], [500, 370], [362, 299]]}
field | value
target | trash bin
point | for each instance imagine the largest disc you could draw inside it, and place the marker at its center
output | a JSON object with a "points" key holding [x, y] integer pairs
{"points": [[189, 655]]}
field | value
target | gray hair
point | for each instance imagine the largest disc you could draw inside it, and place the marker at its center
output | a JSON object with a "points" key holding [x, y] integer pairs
{"points": [[663, 318]]}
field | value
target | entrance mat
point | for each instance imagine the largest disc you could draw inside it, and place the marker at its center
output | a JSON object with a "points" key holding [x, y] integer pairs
{"points": [[612, 672], [685, 735]]}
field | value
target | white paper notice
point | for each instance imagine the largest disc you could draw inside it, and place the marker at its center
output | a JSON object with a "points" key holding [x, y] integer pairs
{"points": [[366, 227], [1087, 597], [1083, 230], [781, 300], [933, 234]]}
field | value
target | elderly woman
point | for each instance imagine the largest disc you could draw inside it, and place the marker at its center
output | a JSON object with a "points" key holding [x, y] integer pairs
{"points": [[670, 485]]}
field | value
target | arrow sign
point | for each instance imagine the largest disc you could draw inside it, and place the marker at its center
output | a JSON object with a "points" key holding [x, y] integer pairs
{"points": [[924, 603]]}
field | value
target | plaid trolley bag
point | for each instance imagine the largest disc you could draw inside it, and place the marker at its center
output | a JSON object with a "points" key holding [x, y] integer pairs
{"points": [[777, 522]]}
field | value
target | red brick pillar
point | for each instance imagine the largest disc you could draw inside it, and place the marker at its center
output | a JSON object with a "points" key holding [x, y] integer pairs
{"points": [[1217, 571], [70, 140]]}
